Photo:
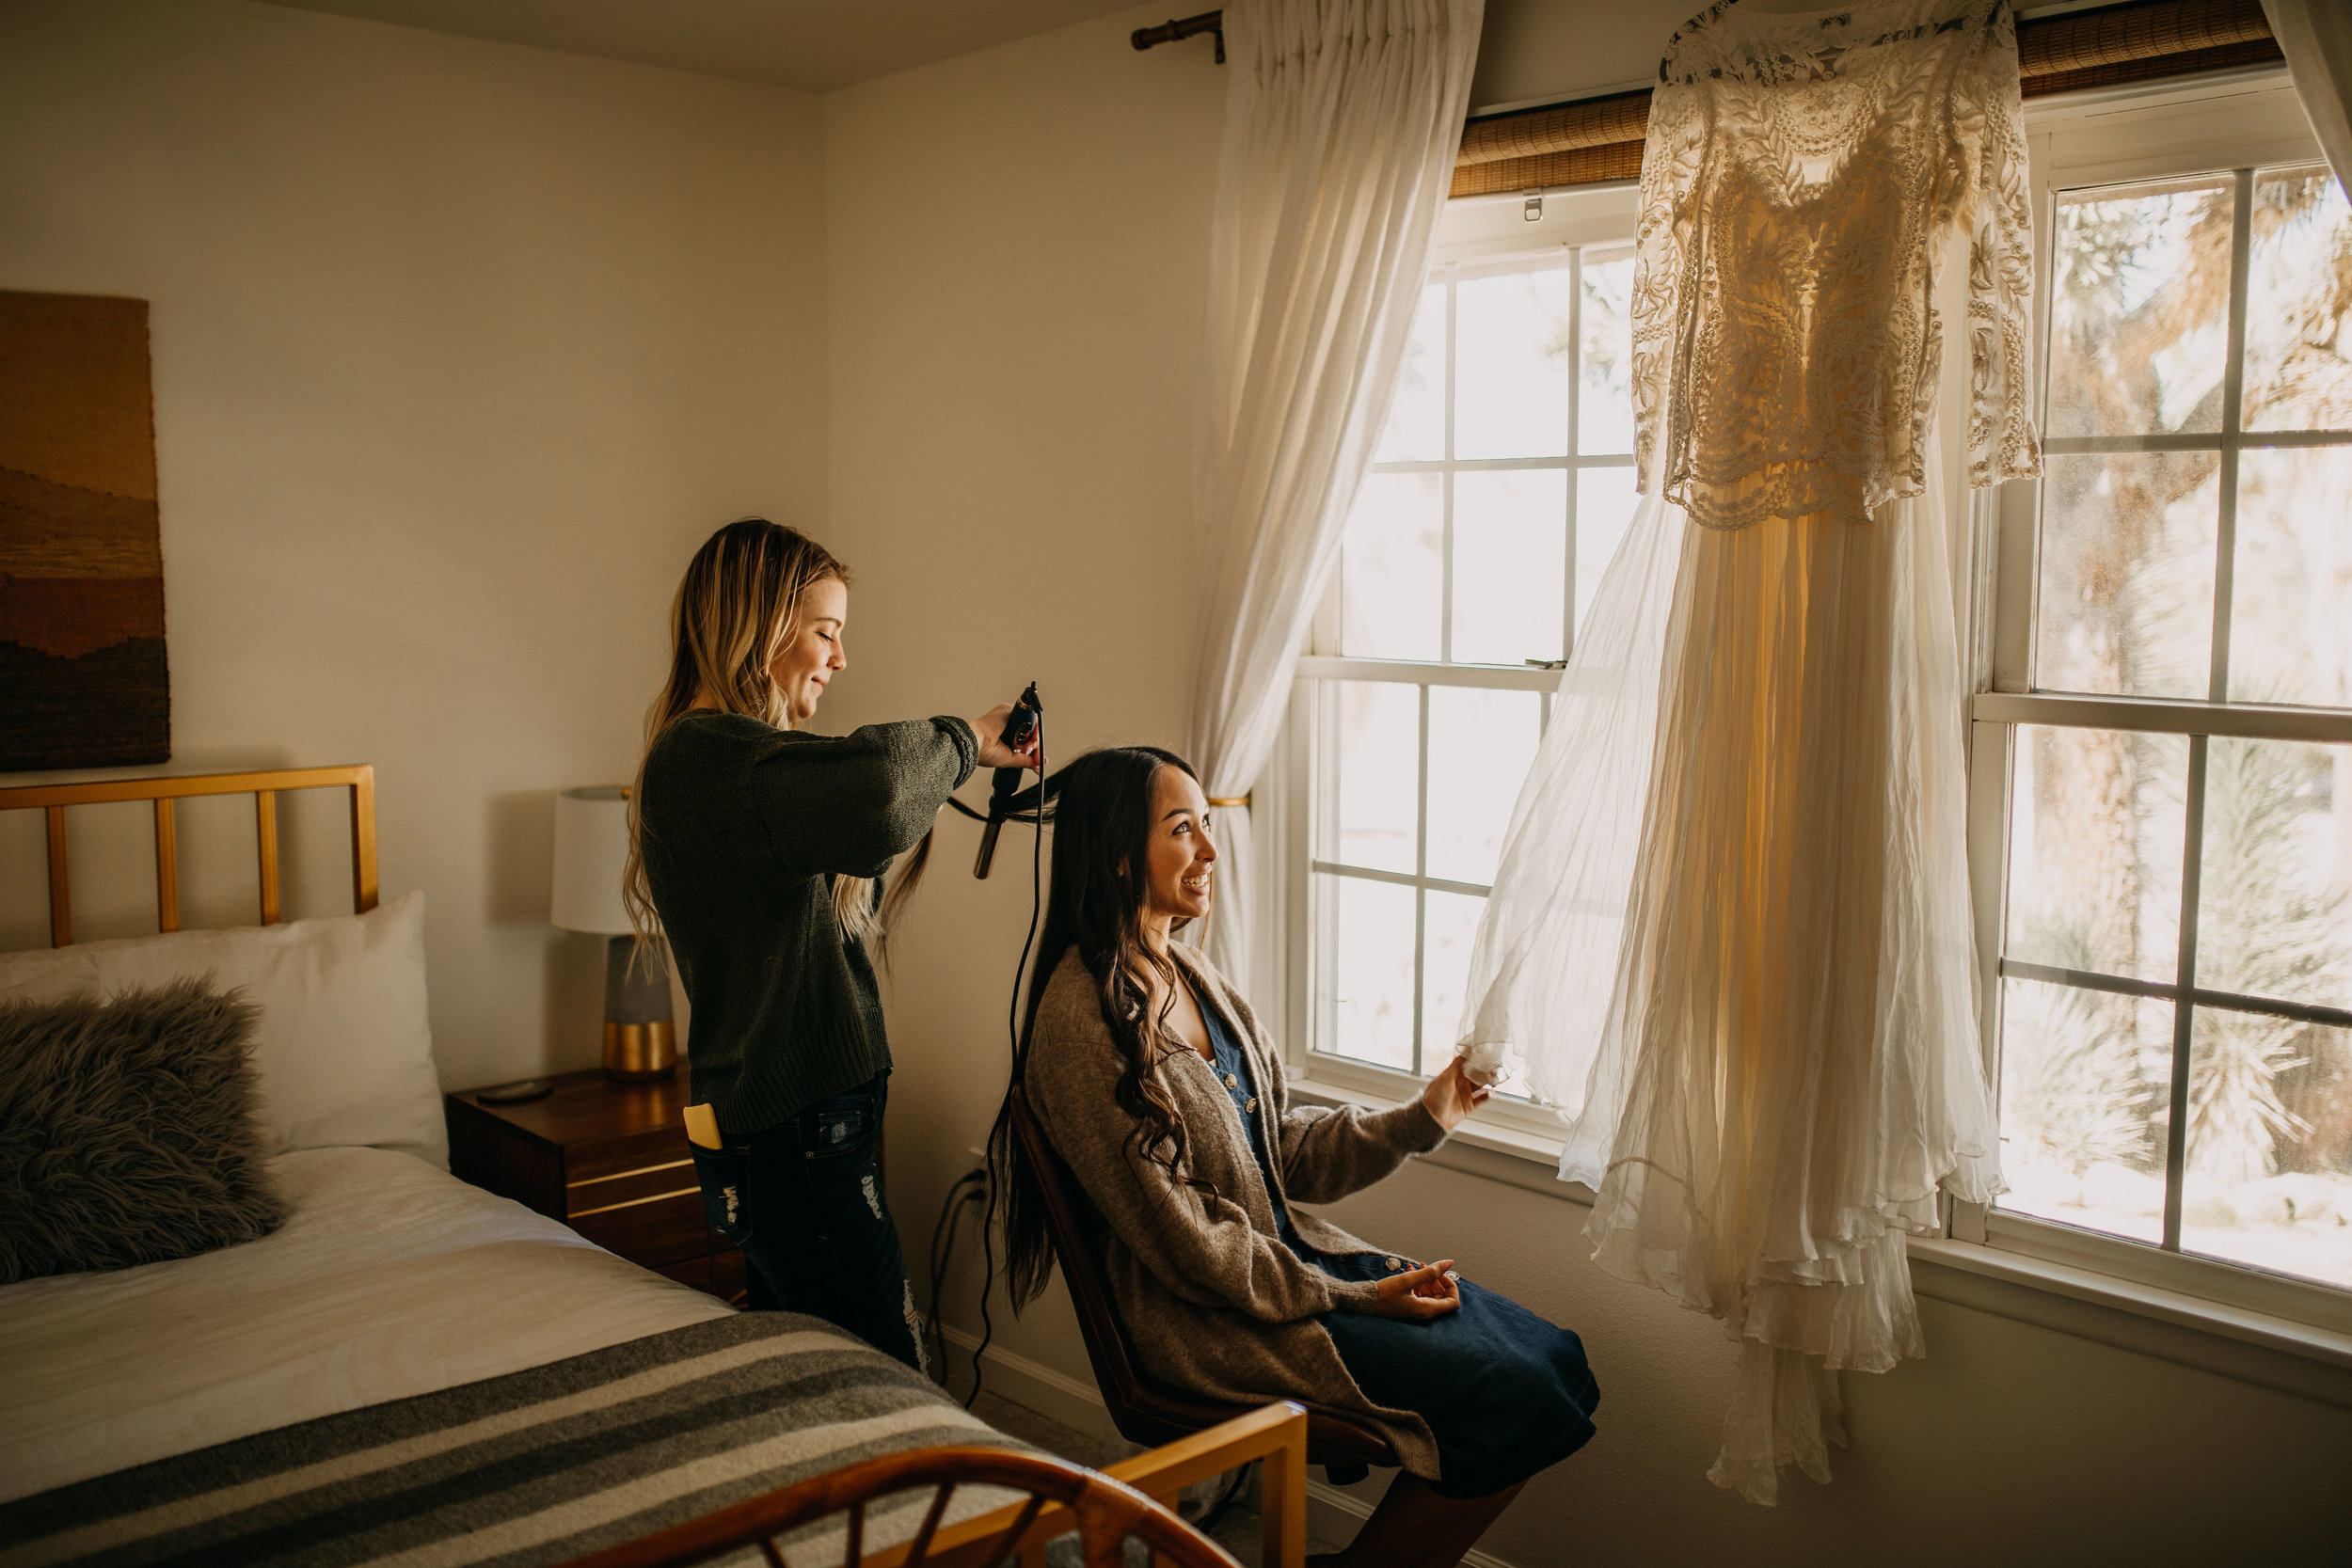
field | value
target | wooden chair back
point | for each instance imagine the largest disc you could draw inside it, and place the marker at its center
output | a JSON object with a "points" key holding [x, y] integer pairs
{"points": [[264, 787], [1144, 1411], [1106, 1513]]}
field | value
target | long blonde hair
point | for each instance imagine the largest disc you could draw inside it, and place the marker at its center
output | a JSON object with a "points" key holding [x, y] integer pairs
{"points": [[736, 608]]}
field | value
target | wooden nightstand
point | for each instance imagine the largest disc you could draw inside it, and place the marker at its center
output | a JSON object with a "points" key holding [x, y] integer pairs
{"points": [[610, 1159]]}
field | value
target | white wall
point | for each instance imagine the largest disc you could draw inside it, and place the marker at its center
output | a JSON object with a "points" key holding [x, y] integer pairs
{"points": [[1017, 243], [459, 348], [1533, 50], [2006, 1444], [1019, 254]]}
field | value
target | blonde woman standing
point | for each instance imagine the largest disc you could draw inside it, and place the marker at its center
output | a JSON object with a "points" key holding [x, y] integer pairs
{"points": [[760, 848]]}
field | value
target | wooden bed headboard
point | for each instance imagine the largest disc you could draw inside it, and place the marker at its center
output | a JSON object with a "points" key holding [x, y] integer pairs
{"points": [[264, 788]]}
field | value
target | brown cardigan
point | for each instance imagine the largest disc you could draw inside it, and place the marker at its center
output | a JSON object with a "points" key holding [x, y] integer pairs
{"points": [[1215, 1302]]}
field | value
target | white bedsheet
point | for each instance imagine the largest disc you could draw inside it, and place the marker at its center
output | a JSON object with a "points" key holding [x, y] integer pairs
{"points": [[389, 1277]]}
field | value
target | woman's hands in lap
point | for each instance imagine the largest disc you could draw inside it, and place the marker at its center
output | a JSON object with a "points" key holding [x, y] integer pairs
{"points": [[1430, 1291], [1451, 1095], [1419, 1294]]}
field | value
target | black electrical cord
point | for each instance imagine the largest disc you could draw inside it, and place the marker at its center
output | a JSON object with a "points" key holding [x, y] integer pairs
{"points": [[1024, 807], [1012, 1029], [960, 1196], [1215, 1515], [959, 1193]]}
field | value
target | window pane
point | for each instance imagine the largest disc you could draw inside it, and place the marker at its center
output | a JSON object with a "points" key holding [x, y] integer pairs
{"points": [[1481, 744], [2127, 567], [2085, 1101], [1451, 926], [2291, 602], [2094, 850], [1510, 566], [1372, 971], [2139, 305], [2270, 1179], [1376, 732], [1416, 427], [1605, 499], [1604, 410], [1389, 568], [2274, 903], [1511, 365], [2296, 305]]}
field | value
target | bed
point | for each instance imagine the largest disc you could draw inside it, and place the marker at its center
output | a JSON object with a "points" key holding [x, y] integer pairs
{"points": [[409, 1368]]}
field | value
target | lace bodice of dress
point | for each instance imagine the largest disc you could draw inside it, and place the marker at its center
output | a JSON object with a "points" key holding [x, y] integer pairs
{"points": [[1800, 176]]}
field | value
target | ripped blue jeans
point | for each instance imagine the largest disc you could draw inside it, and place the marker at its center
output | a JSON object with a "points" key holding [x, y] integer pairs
{"points": [[805, 1202]]}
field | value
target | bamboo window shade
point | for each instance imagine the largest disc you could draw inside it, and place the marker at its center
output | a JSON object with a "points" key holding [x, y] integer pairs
{"points": [[1601, 138]]}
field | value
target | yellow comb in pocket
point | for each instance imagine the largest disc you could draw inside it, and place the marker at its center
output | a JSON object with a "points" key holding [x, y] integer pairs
{"points": [[701, 1127]]}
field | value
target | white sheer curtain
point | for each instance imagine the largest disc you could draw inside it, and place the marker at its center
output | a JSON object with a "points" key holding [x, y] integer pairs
{"points": [[1341, 124], [2316, 38]]}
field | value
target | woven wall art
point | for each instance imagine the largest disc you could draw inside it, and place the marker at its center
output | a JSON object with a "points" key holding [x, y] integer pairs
{"points": [[83, 677]]}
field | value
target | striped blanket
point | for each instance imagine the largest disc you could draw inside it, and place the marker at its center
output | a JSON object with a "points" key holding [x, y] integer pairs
{"points": [[534, 1467]]}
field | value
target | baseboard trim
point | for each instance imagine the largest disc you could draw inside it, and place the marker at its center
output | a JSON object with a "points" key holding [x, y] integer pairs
{"points": [[1075, 1404], [1332, 1515]]}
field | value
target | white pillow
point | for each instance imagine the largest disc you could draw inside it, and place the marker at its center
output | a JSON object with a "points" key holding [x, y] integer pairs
{"points": [[63, 973], [344, 1048]]}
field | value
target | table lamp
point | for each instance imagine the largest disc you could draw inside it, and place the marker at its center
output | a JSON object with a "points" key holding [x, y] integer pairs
{"points": [[591, 854]]}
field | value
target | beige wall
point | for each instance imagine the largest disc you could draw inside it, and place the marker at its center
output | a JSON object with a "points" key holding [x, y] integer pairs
{"points": [[1018, 242], [458, 349], [1531, 51]]}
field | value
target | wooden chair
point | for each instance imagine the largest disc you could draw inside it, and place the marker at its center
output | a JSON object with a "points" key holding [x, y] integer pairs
{"points": [[1107, 1512], [1145, 1412]]}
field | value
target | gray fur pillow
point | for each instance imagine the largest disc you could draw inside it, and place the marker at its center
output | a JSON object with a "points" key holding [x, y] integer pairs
{"points": [[125, 1135]]}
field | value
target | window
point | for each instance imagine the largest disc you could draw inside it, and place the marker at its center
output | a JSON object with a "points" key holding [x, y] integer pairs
{"points": [[2162, 808], [2160, 784], [1502, 483]]}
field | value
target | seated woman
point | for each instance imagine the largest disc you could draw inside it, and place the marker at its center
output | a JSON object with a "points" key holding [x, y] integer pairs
{"points": [[1154, 1082]]}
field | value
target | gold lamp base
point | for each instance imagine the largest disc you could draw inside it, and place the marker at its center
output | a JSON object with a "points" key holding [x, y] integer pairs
{"points": [[640, 1053]]}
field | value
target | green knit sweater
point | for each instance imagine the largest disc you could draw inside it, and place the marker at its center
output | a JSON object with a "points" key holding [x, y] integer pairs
{"points": [[744, 828]]}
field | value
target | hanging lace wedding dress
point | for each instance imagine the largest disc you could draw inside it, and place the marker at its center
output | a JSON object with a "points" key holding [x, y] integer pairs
{"points": [[1748, 812]]}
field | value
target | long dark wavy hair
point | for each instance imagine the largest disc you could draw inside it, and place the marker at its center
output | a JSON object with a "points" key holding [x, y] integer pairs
{"points": [[1103, 831]]}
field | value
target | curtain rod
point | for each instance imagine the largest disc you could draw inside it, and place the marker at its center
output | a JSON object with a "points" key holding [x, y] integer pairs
{"points": [[1169, 31]]}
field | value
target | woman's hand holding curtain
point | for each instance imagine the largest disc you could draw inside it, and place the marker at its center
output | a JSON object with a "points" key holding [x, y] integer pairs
{"points": [[1452, 1095]]}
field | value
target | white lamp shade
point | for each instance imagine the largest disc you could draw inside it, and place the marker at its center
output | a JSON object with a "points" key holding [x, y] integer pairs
{"points": [[591, 854]]}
